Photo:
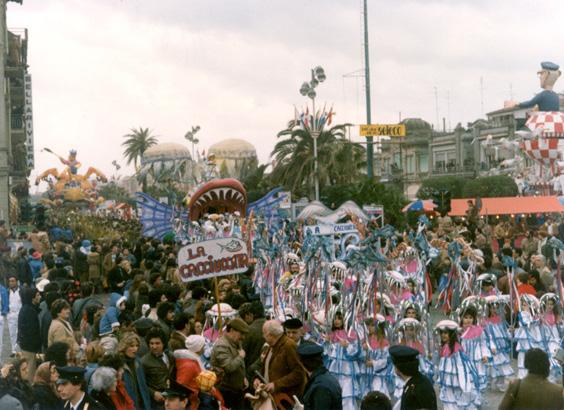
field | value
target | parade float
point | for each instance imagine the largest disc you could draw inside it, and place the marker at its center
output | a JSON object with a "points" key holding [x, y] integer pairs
{"points": [[68, 188], [541, 141]]}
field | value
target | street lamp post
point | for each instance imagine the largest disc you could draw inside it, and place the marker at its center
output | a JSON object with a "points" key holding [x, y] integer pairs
{"points": [[308, 89]]}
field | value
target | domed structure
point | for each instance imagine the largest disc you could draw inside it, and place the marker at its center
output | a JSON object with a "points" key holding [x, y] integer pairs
{"points": [[165, 161], [166, 151], [233, 155]]}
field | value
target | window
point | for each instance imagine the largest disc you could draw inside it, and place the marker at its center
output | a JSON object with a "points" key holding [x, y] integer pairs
{"points": [[410, 164], [444, 161], [397, 159], [423, 162]]}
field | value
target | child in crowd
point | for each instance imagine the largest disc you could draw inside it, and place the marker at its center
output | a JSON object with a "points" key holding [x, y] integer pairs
{"points": [[457, 377]]}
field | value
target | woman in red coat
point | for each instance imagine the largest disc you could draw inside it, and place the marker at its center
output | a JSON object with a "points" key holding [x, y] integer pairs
{"points": [[189, 365]]}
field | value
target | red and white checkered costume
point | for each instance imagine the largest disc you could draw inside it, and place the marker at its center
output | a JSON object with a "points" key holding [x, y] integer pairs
{"points": [[551, 123]]}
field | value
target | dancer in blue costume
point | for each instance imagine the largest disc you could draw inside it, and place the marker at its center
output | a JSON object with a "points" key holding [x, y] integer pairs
{"points": [[458, 380], [473, 341], [376, 368], [528, 335], [499, 342], [551, 331], [343, 350]]}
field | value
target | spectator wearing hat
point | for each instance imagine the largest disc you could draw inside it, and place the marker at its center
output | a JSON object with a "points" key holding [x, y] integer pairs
{"points": [[176, 396], [158, 365], [110, 321], [28, 328], [418, 392], [322, 391], [58, 272], [281, 369], [189, 365], [294, 329], [228, 357], [209, 398], [71, 389], [534, 391]]}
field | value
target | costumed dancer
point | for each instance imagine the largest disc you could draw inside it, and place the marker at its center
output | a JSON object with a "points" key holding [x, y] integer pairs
{"points": [[551, 331], [376, 369], [486, 283], [408, 333], [211, 330], [499, 341], [528, 335], [398, 287], [457, 377], [473, 341], [342, 361]]}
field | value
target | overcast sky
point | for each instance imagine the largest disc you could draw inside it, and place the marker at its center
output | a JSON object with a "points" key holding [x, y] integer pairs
{"points": [[234, 67]]}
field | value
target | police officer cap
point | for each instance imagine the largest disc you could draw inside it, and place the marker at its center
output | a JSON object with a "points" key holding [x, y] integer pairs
{"points": [[547, 65], [309, 349], [177, 390], [403, 354], [293, 323], [70, 374]]}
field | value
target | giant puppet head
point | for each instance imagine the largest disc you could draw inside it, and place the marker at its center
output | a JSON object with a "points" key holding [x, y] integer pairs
{"points": [[218, 196]]}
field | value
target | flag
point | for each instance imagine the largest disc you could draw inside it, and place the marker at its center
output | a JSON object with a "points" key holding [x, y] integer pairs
{"points": [[330, 116], [295, 116]]}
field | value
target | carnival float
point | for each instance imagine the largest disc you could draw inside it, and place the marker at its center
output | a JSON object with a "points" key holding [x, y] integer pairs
{"points": [[68, 187], [541, 141]]}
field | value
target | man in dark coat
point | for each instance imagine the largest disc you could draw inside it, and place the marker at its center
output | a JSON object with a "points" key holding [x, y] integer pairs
{"points": [[71, 389], [534, 391], [22, 266], [254, 341], [322, 391], [28, 327], [158, 366], [418, 391]]}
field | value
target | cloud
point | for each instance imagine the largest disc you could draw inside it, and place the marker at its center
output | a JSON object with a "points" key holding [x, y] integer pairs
{"points": [[234, 68]]}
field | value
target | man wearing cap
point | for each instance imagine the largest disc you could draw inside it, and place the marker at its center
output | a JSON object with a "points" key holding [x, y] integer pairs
{"points": [[418, 392], [546, 100], [322, 391], [228, 357], [294, 329], [71, 389], [176, 396]]}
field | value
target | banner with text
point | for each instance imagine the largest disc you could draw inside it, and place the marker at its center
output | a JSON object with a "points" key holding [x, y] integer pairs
{"points": [[391, 130], [208, 259]]}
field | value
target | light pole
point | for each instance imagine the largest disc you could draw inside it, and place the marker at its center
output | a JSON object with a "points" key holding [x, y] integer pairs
{"points": [[308, 89]]}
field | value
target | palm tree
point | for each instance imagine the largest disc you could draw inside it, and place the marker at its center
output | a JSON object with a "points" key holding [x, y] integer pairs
{"points": [[137, 142], [339, 160]]}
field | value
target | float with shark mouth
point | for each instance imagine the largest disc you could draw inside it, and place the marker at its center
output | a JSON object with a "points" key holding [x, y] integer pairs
{"points": [[217, 196]]}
